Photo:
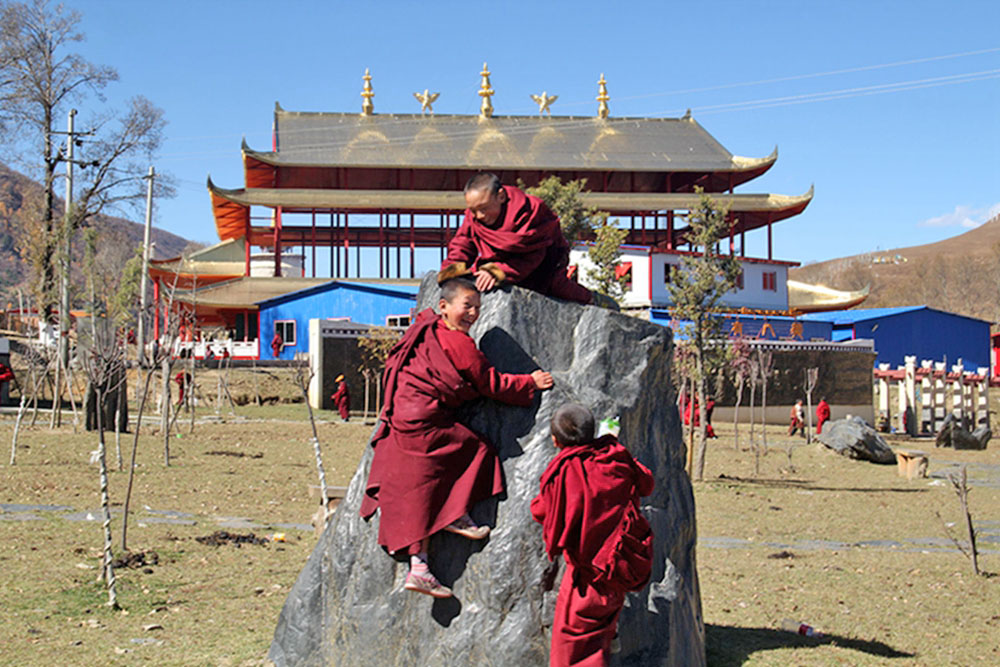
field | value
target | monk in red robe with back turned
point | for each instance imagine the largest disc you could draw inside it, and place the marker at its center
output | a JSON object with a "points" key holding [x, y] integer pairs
{"points": [[587, 492], [822, 414], [342, 398], [429, 469], [508, 236]]}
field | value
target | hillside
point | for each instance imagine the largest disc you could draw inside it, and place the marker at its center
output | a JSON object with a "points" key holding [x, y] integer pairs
{"points": [[18, 191], [960, 274]]}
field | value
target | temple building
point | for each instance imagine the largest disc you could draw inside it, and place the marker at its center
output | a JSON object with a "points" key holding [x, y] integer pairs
{"points": [[371, 196]]}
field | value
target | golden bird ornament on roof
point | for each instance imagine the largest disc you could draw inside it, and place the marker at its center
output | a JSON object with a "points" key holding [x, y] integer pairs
{"points": [[544, 101], [426, 99]]}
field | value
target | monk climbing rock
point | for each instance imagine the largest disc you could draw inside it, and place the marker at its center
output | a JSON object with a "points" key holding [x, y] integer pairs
{"points": [[508, 236], [429, 469]]}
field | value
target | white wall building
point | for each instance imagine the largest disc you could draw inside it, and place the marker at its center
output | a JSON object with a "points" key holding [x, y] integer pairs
{"points": [[764, 283]]}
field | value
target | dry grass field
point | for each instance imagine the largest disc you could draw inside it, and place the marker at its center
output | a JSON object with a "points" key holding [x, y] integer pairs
{"points": [[846, 546]]}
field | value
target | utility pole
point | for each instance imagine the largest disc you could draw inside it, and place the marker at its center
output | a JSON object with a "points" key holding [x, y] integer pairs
{"points": [[62, 342], [144, 280]]}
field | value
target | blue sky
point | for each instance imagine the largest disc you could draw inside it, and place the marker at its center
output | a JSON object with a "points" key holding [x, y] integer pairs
{"points": [[892, 109]]}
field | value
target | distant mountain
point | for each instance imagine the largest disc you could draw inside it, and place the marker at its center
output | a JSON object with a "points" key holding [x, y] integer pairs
{"points": [[16, 190], [960, 274]]}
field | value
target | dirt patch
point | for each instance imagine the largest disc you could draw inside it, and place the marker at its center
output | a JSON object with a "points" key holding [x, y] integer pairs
{"points": [[136, 560], [239, 455], [221, 537]]}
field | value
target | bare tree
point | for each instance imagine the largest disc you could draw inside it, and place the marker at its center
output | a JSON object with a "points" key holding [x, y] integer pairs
{"points": [[960, 484], [765, 361], [740, 366], [812, 375], [303, 375]]}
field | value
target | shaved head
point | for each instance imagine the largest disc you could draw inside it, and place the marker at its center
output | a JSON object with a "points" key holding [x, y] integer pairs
{"points": [[572, 424], [484, 180]]}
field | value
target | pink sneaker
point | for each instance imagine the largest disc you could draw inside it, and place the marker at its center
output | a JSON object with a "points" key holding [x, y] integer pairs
{"points": [[466, 528], [426, 584]]}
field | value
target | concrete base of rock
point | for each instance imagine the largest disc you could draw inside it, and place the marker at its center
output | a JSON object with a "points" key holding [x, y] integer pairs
{"points": [[855, 439], [349, 607]]}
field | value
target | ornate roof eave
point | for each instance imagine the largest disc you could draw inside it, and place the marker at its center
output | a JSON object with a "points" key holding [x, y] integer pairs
{"points": [[433, 200], [232, 219], [739, 164], [808, 298]]}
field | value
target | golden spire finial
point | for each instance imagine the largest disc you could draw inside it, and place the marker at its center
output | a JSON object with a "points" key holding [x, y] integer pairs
{"points": [[485, 92], [544, 101], [602, 97], [367, 107], [426, 99]]}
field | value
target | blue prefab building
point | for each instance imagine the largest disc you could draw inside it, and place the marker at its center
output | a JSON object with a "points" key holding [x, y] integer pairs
{"points": [[919, 331], [363, 303]]}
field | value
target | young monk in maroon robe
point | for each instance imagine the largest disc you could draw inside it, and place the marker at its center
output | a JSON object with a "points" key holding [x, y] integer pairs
{"points": [[429, 469], [508, 236], [342, 398], [584, 493]]}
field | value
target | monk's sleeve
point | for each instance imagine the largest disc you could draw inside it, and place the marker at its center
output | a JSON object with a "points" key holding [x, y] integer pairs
{"points": [[462, 247], [517, 267], [559, 508], [644, 482], [488, 381]]}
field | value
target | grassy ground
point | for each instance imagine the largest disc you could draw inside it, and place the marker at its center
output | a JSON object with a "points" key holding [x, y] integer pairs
{"points": [[218, 605], [201, 604], [916, 602]]}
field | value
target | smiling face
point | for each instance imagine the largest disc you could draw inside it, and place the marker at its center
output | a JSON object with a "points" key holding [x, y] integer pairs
{"points": [[462, 311], [485, 206]]}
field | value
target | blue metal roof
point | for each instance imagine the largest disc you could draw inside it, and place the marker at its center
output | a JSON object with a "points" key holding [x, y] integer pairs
{"points": [[378, 288], [845, 317]]}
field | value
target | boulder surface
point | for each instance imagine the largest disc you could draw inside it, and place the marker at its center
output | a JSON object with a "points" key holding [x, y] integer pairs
{"points": [[854, 438], [348, 606], [952, 434]]}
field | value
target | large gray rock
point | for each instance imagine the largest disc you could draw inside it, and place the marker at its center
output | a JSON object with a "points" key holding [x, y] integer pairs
{"points": [[854, 438], [348, 606], [952, 434]]}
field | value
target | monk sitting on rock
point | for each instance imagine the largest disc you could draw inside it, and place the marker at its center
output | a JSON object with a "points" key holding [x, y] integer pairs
{"points": [[589, 510], [508, 236], [428, 469]]}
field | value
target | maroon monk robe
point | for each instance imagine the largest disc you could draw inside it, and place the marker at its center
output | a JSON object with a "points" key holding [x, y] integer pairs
{"points": [[822, 415], [526, 243], [342, 399], [428, 469], [584, 492]]}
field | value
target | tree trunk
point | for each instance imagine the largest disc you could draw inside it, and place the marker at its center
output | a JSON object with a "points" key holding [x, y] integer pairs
{"points": [[736, 414], [165, 421], [135, 445], [108, 571], [702, 426]]}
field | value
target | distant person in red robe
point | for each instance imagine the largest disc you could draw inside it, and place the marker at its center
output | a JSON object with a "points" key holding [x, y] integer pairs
{"points": [[276, 344], [6, 374], [691, 412], [797, 419], [709, 409], [508, 236], [428, 469], [342, 398], [822, 414], [587, 491], [183, 380]]}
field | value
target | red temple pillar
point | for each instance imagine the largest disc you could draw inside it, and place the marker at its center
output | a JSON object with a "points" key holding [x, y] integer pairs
{"points": [[412, 246], [313, 246], [670, 230], [347, 245], [277, 242]]}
